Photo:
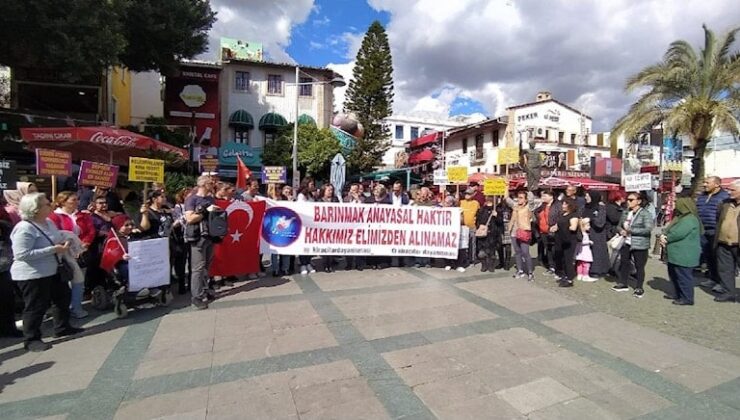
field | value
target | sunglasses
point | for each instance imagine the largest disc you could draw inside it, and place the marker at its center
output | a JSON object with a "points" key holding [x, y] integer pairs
{"points": [[632, 199]]}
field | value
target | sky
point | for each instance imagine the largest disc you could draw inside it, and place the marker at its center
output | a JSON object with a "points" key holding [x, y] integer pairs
{"points": [[464, 57]]}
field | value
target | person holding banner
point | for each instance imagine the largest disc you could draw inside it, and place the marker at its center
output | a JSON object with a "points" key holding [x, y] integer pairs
{"points": [[355, 196], [281, 263], [504, 244], [459, 263], [67, 218], [380, 196], [327, 196]]}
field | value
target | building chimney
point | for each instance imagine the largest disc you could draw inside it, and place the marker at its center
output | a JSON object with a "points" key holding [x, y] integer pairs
{"points": [[543, 96]]}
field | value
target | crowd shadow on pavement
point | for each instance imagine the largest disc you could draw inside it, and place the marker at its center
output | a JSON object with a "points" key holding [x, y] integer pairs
{"points": [[8, 378], [662, 284], [253, 285]]}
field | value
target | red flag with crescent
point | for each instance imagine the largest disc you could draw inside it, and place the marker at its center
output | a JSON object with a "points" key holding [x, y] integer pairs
{"points": [[242, 174], [239, 252], [113, 252]]}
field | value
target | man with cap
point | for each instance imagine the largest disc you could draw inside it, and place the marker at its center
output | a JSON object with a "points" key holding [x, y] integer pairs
{"points": [[478, 195]]}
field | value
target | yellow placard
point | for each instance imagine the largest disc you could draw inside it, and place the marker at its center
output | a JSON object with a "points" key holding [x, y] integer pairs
{"points": [[508, 155], [457, 174], [145, 170], [496, 186]]}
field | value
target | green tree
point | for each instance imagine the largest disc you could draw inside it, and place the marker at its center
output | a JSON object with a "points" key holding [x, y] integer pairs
{"points": [[76, 39], [316, 148], [691, 94], [370, 96]]}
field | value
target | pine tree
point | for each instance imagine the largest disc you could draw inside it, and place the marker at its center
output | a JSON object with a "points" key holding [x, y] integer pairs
{"points": [[370, 96]]}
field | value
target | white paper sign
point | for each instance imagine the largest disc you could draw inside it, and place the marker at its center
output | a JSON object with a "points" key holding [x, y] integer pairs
{"points": [[149, 265], [440, 177], [638, 182]]}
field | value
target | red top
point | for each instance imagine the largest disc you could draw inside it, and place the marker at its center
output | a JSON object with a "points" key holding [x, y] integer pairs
{"points": [[543, 222], [83, 221]]}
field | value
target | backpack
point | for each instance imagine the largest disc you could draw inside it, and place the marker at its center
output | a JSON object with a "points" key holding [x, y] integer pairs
{"points": [[215, 225]]}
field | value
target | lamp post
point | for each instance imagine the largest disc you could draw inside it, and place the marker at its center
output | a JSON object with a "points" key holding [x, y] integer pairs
{"points": [[337, 81]]}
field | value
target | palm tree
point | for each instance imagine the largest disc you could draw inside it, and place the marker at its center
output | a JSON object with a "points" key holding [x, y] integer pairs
{"points": [[690, 94]]}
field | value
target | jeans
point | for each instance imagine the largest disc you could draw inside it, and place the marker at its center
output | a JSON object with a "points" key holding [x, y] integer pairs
{"points": [[280, 263], [728, 259], [39, 294], [640, 257], [683, 281], [523, 258], [201, 256], [545, 245]]}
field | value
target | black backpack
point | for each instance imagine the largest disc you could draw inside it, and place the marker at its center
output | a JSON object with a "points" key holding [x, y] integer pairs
{"points": [[215, 225]]}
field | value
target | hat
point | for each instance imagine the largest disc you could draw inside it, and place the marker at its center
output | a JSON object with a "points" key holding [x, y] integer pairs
{"points": [[119, 221], [470, 191]]}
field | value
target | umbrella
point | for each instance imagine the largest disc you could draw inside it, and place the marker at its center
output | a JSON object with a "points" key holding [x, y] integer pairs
{"points": [[338, 169], [98, 144]]}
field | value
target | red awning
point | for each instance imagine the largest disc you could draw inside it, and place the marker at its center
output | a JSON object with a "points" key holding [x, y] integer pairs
{"points": [[420, 157], [479, 177], [592, 184], [429, 138], [99, 144]]}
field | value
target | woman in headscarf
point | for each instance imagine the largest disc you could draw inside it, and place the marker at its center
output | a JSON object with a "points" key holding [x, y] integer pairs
{"points": [[681, 238], [13, 198], [595, 211]]}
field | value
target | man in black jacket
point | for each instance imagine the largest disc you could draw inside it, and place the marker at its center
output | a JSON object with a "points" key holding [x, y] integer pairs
{"points": [[727, 243]]}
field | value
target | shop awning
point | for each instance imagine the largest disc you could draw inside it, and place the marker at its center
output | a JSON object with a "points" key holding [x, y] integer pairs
{"points": [[272, 121], [421, 157], [429, 138], [101, 144], [479, 177], [587, 184], [241, 119]]}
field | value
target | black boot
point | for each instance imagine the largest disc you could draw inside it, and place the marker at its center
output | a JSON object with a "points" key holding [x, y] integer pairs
{"points": [[490, 264], [483, 265]]}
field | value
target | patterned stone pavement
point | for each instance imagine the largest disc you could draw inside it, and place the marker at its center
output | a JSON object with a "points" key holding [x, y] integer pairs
{"points": [[397, 343]]}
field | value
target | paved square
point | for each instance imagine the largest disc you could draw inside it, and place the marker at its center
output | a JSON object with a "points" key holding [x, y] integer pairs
{"points": [[395, 343]]}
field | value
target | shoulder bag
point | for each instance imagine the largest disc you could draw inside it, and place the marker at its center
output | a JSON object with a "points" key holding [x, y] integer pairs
{"points": [[482, 230], [65, 271]]}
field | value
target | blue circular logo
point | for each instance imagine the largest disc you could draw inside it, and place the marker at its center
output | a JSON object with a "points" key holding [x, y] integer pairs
{"points": [[281, 226]]}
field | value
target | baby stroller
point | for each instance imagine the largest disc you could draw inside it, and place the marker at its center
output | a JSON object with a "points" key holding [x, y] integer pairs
{"points": [[115, 293]]}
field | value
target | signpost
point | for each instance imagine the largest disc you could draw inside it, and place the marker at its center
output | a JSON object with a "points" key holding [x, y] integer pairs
{"points": [[495, 186], [457, 174], [96, 174], [145, 170], [8, 175], [274, 174], [53, 163], [638, 182]]}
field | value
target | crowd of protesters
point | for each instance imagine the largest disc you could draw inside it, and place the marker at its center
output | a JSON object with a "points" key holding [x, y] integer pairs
{"points": [[578, 236]]}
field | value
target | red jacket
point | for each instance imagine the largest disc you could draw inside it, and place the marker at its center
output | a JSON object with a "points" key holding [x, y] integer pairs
{"points": [[84, 222]]}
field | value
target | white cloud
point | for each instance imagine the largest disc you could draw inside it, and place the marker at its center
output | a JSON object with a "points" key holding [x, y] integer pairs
{"points": [[501, 52]]}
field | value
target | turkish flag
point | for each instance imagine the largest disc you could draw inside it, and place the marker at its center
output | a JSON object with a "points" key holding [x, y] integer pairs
{"points": [[242, 174], [239, 252], [113, 252]]}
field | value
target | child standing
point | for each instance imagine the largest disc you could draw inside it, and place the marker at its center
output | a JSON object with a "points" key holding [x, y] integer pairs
{"points": [[584, 256]]}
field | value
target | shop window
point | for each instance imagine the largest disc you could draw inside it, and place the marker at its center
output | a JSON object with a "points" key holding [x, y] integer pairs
{"points": [[241, 136]]}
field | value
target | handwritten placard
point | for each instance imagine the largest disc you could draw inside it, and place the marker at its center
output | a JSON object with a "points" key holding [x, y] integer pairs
{"points": [[145, 170], [508, 155], [145, 268], [496, 186], [274, 174], [457, 174], [96, 174], [53, 162]]}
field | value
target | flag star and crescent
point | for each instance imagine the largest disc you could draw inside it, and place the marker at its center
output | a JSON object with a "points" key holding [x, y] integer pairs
{"points": [[239, 252]]}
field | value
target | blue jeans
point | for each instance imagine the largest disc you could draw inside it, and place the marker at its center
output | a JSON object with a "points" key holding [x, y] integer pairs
{"points": [[280, 263], [683, 281], [522, 256], [709, 255]]}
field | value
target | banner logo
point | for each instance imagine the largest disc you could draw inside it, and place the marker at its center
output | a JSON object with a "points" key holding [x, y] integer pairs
{"points": [[281, 226]]}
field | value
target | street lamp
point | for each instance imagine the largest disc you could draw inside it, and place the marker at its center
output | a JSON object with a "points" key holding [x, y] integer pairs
{"points": [[337, 81]]}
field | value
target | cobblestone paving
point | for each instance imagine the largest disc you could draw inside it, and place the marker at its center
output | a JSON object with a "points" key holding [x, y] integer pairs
{"points": [[397, 343]]}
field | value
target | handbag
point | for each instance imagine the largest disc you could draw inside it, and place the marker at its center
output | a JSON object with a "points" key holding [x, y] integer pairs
{"points": [[64, 269], [616, 242], [482, 230], [523, 235]]}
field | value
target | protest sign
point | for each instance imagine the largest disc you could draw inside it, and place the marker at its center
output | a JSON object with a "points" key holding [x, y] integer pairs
{"points": [[508, 155], [440, 177], [53, 162], [96, 174], [145, 266], [145, 170], [638, 182], [496, 186], [307, 228], [274, 175], [457, 174], [209, 163], [8, 175]]}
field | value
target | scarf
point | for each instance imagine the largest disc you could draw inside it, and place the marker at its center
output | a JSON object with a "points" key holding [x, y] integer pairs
{"points": [[13, 197], [684, 206]]}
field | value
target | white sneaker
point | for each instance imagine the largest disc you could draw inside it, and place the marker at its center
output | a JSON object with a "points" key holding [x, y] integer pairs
{"points": [[143, 293], [304, 271], [589, 279], [311, 269], [579, 277], [460, 269], [448, 268]]}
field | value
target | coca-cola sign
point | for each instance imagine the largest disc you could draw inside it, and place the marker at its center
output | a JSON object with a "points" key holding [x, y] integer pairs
{"points": [[123, 141]]}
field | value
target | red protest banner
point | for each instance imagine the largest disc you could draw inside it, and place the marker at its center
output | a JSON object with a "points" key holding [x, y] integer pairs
{"points": [[96, 174], [53, 162]]}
